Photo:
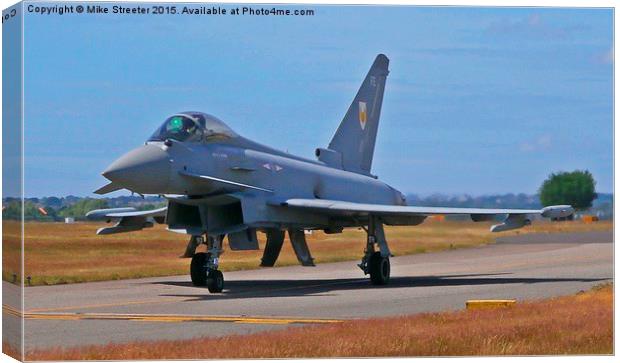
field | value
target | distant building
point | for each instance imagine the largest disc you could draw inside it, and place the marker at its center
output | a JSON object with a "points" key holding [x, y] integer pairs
{"points": [[69, 220]]}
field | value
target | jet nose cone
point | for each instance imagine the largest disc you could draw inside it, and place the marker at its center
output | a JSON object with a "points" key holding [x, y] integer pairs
{"points": [[144, 170]]}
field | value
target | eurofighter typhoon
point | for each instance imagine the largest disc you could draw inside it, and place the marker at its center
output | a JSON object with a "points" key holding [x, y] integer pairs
{"points": [[219, 184]]}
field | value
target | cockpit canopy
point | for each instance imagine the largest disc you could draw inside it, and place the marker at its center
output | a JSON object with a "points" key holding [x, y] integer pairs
{"points": [[193, 127]]}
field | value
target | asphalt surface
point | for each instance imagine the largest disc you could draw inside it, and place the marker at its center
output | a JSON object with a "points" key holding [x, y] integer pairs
{"points": [[523, 267]]}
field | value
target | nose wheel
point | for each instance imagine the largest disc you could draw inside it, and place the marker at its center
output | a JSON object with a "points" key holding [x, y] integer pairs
{"points": [[198, 269], [215, 281], [204, 266]]}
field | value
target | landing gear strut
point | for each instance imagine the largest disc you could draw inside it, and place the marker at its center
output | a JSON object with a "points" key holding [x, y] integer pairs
{"points": [[204, 267], [376, 263]]}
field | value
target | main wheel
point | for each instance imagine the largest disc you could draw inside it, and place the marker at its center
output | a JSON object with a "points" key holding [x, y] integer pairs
{"points": [[197, 269], [379, 269], [215, 281]]}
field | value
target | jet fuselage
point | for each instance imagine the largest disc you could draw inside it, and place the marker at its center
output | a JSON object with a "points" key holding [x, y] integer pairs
{"points": [[160, 168]]}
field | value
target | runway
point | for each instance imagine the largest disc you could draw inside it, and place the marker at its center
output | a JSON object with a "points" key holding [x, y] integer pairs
{"points": [[523, 267]]}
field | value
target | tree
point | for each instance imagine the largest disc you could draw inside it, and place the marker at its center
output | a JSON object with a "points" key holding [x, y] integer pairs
{"points": [[53, 202], [13, 211], [79, 209], [575, 188]]}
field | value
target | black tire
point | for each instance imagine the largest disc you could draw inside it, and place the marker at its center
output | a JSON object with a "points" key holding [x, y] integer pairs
{"points": [[197, 269], [215, 281], [379, 269]]}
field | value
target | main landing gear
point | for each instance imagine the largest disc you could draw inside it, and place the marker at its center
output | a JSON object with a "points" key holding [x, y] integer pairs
{"points": [[376, 263], [204, 267]]}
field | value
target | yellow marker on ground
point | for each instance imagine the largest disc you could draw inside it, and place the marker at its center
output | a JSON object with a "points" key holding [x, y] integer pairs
{"points": [[489, 304], [172, 318]]}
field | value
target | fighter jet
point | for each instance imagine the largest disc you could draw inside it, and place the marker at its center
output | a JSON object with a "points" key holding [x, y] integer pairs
{"points": [[220, 184]]}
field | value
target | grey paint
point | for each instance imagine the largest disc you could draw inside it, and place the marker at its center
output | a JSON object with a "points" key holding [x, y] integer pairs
{"points": [[298, 240], [275, 240], [220, 183], [355, 138]]}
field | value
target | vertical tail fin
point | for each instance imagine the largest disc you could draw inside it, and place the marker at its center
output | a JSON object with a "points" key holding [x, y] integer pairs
{"points": [[356, 135]]}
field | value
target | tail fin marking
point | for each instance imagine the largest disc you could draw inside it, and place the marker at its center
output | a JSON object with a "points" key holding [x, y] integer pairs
{"points": [[357, 133]]}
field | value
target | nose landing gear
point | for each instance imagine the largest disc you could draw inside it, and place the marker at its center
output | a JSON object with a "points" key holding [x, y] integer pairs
{"points": [[197, 269], [204, 266], [215, 281]]}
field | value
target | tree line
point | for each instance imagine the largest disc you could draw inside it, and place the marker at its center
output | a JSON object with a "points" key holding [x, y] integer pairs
{"points": [[576, 188], [11, 209]]}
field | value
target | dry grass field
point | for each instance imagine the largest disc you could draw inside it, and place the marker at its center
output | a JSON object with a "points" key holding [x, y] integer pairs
{"points": [[579, 324], [11, 351], [57, 253], [11, 250]]}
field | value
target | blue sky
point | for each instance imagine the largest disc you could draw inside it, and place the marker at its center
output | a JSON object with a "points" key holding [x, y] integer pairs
{"points": [[478, 101], [11, 109]]}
